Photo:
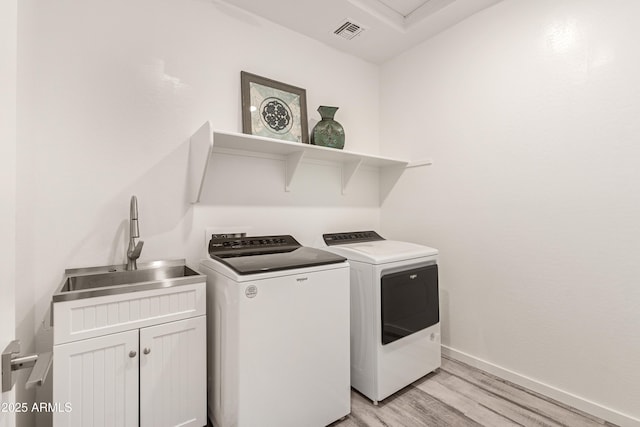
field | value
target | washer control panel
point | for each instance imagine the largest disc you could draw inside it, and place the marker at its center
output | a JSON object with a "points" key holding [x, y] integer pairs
{"points": [[232, 246]]}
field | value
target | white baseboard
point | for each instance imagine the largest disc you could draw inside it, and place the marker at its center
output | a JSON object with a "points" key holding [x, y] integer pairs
{"points": [[567, 398]]}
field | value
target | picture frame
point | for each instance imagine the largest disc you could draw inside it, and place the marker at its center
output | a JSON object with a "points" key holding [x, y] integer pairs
{"points": [[273, 109]]}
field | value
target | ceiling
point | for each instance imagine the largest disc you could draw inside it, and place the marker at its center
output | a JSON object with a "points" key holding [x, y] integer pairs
{"points": [[382, 28]]}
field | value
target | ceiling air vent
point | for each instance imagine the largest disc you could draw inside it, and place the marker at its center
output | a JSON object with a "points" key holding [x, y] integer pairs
{"points": [[348, 29]]}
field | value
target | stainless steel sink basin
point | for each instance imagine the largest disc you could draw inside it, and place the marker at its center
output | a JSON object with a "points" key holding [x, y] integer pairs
{"points": [[115, 279], [100, 280]]}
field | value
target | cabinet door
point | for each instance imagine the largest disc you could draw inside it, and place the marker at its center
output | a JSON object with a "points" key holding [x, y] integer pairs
{"points": [[173, 372], [98, 379]]}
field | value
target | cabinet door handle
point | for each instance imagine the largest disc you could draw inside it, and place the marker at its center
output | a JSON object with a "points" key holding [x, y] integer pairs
{"points": [[132, 353], [146, 350]]}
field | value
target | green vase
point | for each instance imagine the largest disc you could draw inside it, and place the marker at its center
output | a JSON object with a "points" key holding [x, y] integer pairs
{"points": [[327, 132]]}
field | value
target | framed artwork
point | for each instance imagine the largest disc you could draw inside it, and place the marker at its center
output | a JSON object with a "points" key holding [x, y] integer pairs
{"points": [[273, 109]]}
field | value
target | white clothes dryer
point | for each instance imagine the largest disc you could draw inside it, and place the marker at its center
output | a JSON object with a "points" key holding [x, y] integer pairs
{"points": [[395, 315], [278, 333]]}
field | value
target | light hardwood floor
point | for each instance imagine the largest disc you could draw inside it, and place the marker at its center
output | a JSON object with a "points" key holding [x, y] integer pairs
{"points": [[460, 395]]}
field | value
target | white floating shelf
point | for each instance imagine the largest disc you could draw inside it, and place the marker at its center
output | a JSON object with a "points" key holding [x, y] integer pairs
{"points": [[207, 141]]}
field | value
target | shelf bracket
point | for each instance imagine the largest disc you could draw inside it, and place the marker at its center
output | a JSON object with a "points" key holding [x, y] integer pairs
{"points": [[200, 147], [291, 167], [349, 169]]}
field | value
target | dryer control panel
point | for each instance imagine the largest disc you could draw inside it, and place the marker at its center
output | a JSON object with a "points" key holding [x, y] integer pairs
{"points": [[351, 237]]}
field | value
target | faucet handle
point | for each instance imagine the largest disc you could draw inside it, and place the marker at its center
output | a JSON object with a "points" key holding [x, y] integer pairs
{"points": [[137, 250]]}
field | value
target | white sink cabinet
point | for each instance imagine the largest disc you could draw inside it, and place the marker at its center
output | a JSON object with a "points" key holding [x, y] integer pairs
{"points": [[131, 359]]}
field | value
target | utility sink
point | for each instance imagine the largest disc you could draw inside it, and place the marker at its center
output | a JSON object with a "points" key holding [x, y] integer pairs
{"points": [[115, 279]]}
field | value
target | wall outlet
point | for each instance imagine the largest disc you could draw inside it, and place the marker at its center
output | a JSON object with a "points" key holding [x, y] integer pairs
{"points": [[228, 236], [231, 231]]}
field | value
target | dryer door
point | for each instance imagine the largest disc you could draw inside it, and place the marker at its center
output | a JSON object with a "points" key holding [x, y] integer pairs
{"points": [[409, 302]]}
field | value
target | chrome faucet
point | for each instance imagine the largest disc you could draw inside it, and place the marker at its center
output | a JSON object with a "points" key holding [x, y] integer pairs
{"points": [[133, 253]]}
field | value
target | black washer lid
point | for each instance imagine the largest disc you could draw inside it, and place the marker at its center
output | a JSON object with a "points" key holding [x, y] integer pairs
{"points": [[263, 254]]}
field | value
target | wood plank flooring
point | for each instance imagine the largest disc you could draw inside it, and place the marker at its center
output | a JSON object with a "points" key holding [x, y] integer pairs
{"points": [[460, 395]]}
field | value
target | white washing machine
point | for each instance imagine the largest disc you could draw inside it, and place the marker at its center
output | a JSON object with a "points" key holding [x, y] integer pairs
{"points": [[278, 333], [395, 316]]}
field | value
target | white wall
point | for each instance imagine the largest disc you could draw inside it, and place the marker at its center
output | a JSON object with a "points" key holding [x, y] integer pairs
{"points": [[530, 111], [8, 71], [110, 93]]}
